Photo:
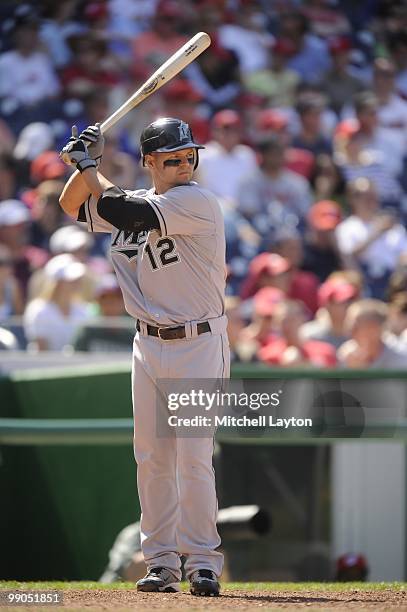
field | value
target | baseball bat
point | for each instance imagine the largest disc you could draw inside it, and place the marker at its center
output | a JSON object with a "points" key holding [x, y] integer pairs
{"points": [[177, 62]]}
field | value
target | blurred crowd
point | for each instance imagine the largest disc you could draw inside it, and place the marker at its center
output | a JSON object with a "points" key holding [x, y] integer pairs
{"points": [[302, 107]]}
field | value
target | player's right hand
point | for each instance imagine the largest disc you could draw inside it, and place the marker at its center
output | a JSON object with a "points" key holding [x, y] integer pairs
{"points": [[75, 153], [95, 142]]}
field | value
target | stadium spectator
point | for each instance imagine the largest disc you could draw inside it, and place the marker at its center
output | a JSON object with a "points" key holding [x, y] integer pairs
{"points": [[51, 320], [11, 299], [321, 254], [71, 239], [310, 59], [57, 27], [335, 296], [326, 180], [154, 46], [310, 137], [304, 284], [360, 158], [287, 349], [392, 109], [215, 75], [27, 77], [326, 20], [372, 138], [47, 215], [113, 333], [370, 240], [242, 244], [273, 270], [271, 123], [267, 270], [90, 67], [272, 182], [369, 347], [225, 160], [14, 234], [275, 81], [33, 140], [248, 37], [339, 84], [258, 332]]}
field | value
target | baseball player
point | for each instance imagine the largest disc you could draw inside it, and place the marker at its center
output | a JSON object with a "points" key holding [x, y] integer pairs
{"points": [[168, 251]]}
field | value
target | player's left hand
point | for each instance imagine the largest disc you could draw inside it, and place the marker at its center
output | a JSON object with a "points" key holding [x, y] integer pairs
{"points": [[75, 153], [95, 142]]}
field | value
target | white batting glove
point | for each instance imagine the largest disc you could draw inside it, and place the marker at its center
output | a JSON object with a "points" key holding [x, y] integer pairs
{"points": [[75, 153], [95, 142]]}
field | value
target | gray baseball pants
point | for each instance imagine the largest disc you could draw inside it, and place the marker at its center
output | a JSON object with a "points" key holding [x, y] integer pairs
{"points": [[175, 477]]}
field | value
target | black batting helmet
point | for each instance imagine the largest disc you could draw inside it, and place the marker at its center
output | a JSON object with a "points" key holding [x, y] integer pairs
{"points": [[166, 135]]}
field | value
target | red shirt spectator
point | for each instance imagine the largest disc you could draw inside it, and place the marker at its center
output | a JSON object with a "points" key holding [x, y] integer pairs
{"points": [[288, 348]]}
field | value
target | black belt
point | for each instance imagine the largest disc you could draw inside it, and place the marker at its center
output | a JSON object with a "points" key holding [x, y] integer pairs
{"points": [[173, 333]]}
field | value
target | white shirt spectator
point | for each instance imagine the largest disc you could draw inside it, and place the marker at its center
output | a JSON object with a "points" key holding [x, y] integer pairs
{"points": [[221, 171], [252, 48], [383, 254], [43, 319], [393, 121], [388, 145], [27, 80], [289, 188]]}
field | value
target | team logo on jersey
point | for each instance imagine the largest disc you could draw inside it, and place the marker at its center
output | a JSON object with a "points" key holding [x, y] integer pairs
{"points": [[128, 243], [183, 131]]}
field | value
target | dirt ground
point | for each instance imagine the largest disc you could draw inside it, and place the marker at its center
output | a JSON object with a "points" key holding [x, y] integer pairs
{"points": [[233, 599]]}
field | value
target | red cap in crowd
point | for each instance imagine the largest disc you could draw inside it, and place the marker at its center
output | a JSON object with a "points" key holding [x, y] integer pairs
{"points": [[336, 290], [46, 166], [182, 91], [96, 10], [300, 161], [339, 44], [283, 46], [272, 263], [266, 300], [271, 119], [226, 118], [325, 215]]}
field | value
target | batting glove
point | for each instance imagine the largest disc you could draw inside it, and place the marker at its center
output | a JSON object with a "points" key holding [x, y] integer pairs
{"points": [[75, 153], [95, 142]]}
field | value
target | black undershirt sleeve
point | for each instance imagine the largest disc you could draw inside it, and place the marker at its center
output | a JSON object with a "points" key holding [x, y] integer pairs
{"points": [[81, 213], [130, 213]]}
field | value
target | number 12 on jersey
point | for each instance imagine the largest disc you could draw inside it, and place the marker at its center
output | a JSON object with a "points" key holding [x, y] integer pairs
{"points": [[163, 254]]}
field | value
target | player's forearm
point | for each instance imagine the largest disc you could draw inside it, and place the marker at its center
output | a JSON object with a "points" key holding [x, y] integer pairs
{"points": [[79, 187]]}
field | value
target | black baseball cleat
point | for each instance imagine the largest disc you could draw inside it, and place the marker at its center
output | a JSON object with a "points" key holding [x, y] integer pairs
{"points": [[205, 583], [159, 580]]}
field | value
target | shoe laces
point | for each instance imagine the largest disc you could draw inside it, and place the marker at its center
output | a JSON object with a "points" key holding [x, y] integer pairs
{"points": [[156, 571], [205, 573]]}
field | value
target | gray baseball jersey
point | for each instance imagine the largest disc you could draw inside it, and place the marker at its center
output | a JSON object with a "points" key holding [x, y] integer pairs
{"points": [[179, 273]]}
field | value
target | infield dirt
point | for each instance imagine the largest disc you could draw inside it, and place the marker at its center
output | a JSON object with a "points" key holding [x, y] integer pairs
{"points": [[118, 599]]}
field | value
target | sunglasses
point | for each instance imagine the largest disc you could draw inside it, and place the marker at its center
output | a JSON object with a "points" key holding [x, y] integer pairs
{"points": [[176, 161]]}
